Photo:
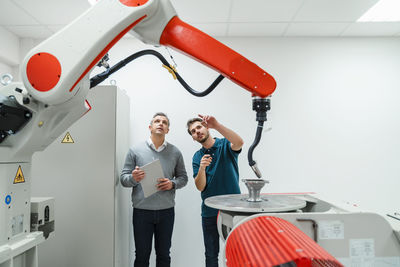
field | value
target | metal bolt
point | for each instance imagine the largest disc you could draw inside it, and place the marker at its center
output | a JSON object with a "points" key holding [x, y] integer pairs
{"points": [[6, 79]]}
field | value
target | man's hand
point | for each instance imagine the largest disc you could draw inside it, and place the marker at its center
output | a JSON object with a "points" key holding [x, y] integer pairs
{"points": [[164, 184], [138, 174], [205, 161], [201, 177], [209, 121]]}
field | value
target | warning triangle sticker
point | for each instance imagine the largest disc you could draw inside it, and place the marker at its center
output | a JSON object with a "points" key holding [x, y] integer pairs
{"points": [[67, 139], [19, 177]]}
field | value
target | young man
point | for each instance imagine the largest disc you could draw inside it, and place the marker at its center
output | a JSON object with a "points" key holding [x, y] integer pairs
{"points": [[155, 214], [216, 172]]}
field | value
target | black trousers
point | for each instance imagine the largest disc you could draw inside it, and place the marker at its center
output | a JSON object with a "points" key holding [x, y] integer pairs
{"points": [[149, 223], [211, 240]]}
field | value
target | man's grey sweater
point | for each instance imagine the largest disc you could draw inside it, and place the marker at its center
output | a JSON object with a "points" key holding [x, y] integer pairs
{"points": [[173, 167]]}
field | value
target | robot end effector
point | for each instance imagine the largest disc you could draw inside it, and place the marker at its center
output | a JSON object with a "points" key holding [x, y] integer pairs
{"points": [[260, 106]]}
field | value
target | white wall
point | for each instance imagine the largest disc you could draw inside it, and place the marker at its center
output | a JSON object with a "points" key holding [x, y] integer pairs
{"points": [[334, 118], [9, 53]]}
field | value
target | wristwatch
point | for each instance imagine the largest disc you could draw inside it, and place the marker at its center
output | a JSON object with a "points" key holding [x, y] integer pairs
{"points": [[173, 185]]}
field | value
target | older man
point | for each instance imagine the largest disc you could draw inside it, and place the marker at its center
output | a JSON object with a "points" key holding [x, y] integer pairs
{"points": [[154, 215]]}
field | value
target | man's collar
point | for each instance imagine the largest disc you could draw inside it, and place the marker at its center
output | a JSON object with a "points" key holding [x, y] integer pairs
{"points": [[214, 146], [160, 148]]}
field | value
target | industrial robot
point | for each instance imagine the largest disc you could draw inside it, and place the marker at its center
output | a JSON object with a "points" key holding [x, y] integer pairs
{"points": [[52, 96]]}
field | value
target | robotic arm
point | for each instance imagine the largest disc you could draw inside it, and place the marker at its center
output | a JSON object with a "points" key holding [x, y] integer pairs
{"points": [[55, 82], [55, 74], [54, 71]]}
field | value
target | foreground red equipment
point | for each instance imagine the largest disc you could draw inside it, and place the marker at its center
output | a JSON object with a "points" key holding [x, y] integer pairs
{"points": [[270, 241]]}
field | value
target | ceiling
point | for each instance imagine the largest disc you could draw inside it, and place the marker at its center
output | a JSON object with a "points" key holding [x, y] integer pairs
{"points": [[256, 18]]}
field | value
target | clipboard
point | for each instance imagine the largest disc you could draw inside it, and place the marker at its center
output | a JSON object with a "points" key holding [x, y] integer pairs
{"points": [[153, 171]]}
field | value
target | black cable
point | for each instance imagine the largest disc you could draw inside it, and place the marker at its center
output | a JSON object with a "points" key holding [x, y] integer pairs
{"points": [[255, 143], [104, 75]]}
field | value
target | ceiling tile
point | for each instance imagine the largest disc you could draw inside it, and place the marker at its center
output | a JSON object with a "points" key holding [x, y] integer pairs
{"points": [[264, 10], [316, 29], [55, 28], [372, 29], [256, 29], [11, 14], [204, 11], [213, 29], [333, 10], [245, 18], [54, 11], [36, 32]]}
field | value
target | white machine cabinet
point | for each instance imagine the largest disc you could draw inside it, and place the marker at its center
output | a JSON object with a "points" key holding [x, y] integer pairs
{"points": [[355, 238], [80, 169]]}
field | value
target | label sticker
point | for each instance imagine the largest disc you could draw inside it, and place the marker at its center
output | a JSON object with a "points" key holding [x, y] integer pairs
{"points": [[331, 230], [362, 253], [19, 177], [362, 248], [67, 139], [8, 199]]}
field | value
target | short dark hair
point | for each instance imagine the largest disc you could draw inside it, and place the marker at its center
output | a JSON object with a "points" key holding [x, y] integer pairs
{"points": [[190, 122], [159, 114]]}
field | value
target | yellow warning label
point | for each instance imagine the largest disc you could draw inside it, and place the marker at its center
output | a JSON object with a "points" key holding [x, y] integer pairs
{"points": [[19, 177], [67, 139]]}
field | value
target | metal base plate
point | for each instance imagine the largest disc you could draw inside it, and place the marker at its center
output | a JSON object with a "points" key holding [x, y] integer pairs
{"points": [[269, 203]]}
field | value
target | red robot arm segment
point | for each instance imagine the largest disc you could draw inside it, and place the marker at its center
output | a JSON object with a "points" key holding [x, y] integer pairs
{"points": [[202, 47]]}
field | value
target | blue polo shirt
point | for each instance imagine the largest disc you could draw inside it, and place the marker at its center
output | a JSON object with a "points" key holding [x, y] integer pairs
{"points": [[222, 174]]}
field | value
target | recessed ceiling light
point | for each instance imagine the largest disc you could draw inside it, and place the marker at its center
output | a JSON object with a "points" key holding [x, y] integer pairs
{"points": [[384, 10], [93, 2]]}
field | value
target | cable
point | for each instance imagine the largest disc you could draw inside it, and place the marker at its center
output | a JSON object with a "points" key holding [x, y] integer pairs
{"points": [[257, 139], [104, 75]]}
